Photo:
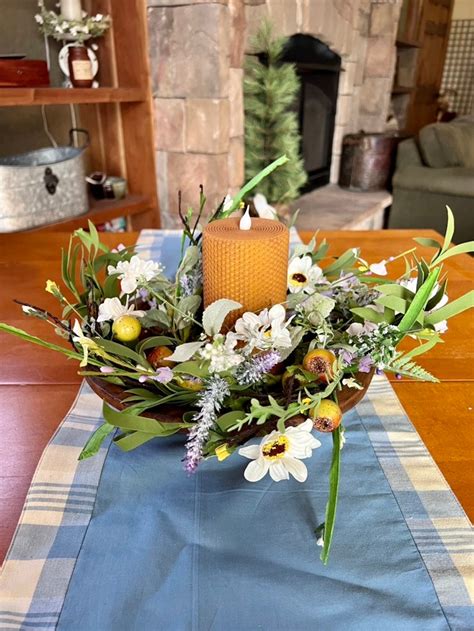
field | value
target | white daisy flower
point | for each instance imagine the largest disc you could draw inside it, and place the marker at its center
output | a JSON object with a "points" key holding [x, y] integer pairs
{"points": [[280, 454], [303, 275], [266, 330], [112, 309], [135, 272]]}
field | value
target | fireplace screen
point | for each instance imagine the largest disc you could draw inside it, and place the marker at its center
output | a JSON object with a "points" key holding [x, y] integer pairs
{"points": [[318, 68]]}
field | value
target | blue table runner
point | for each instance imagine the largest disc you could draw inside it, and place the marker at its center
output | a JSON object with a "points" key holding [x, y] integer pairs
{"points": [[128, 541]]}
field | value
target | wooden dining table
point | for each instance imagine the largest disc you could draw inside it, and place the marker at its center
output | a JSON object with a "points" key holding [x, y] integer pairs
{"points": [[37, 386]]}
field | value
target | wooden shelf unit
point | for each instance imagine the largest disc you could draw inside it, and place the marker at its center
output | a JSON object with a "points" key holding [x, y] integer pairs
{"points": [[118, 116], [12, 97], [100, 212]]}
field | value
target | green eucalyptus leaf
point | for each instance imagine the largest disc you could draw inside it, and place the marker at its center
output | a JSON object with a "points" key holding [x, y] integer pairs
{"points": [[229, 419], [152, 342], [193, 368], [215, 314], [188, 305], [397, 304], [184, 352]]}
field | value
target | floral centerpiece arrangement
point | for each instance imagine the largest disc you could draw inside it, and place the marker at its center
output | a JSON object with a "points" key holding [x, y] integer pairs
{"points": [[263, 385], [57, 26]]}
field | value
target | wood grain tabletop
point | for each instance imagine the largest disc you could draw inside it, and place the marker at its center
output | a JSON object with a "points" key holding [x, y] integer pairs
{"points": [[37, 386]]}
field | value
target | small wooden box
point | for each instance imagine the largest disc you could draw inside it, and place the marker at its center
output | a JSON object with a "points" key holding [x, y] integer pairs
{"points": [[21, 73]]}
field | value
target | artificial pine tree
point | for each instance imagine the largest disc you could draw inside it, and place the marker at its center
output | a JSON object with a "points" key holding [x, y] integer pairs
{"points": [[271, 127]]}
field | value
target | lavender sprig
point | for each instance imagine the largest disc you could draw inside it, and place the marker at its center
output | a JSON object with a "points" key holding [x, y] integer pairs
{"points": [[253, 370], [209, 401]]}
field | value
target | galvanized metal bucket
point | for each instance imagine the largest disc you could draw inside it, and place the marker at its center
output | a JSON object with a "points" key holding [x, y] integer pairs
{"points": [[43, 186]]}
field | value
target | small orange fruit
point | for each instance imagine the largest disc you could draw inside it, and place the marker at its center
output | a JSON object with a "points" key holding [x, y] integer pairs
{"points": [[327, 416], [157, 357], [320, 363]]}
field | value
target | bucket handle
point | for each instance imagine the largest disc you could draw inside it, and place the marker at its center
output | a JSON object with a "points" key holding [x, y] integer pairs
{"points": [[79, 130]]}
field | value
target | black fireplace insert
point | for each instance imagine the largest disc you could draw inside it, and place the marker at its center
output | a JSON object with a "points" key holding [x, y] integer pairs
{"points": [[318, 68]]}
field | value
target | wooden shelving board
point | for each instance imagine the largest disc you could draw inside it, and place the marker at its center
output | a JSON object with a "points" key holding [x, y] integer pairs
{"points": [[100, 212], [10, 97]]}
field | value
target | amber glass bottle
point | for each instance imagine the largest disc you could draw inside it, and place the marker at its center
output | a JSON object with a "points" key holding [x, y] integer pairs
{"points": [[80, 66]]}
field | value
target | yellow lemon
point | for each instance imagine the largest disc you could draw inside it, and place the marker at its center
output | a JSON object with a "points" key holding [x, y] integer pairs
{"points": [[126, 328]]}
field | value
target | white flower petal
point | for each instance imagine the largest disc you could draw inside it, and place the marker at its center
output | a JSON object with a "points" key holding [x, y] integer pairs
{"points": [[256, 470], [278, 472], [297, 468], [250, 451]]}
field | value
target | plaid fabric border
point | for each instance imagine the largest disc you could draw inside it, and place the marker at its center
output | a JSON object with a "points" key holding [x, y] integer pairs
{"points": [[438, 524], [60, 502], [55, 517]]}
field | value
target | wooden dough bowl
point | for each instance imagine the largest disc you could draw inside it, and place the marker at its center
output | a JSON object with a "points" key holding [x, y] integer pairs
{"points": [[115, 395]]}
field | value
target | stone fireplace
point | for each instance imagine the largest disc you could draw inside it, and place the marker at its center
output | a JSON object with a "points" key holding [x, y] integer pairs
{"points": [[197, 50]]}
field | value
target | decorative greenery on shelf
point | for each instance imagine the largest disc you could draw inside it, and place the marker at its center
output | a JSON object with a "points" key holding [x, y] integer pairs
{"points": [[56, 26], [276, 375], [271, 127]]}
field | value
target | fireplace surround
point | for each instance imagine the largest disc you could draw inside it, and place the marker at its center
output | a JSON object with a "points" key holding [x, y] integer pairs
{"points": [[197, 52]]}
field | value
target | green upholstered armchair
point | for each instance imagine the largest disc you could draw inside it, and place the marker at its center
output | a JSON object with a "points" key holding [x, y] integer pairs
{"points": [[435, 170]]}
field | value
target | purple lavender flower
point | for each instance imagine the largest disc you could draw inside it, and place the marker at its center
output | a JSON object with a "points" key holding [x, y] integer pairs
{"points": [[191, 282], [209, 401], [253, 370], [143, 293], [365, 364], [347, 356]]}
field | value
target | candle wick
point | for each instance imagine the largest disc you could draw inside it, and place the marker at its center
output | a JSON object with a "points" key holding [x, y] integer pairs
{"points": [[246, 221]]}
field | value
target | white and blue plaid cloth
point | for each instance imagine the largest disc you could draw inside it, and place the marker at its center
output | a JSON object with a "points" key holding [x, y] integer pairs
{"points": [[46, 576]]}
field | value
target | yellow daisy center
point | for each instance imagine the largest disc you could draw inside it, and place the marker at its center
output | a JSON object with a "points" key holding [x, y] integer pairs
{"points": [[298, 279], [276, 449]]}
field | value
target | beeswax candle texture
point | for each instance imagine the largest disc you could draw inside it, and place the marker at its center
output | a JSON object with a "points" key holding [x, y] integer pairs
{"points": [[249, 266]]}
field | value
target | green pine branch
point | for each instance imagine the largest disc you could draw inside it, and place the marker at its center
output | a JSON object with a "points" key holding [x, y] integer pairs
{"points": [[271, 127]]}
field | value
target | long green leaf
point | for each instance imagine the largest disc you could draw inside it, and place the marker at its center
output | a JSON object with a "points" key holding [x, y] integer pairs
{"points": [[133, 422], [95, 441], [448, 237], [122, 351], [428, 243], [451, 309], [424, 348], [128, 442], [419, 301], [156, 340], [331, 506], [462, 248], [343, 262], [7, 328], [253, 183]]}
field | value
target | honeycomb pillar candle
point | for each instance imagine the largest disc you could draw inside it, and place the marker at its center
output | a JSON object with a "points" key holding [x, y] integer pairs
{"points": [[248, 264]]}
